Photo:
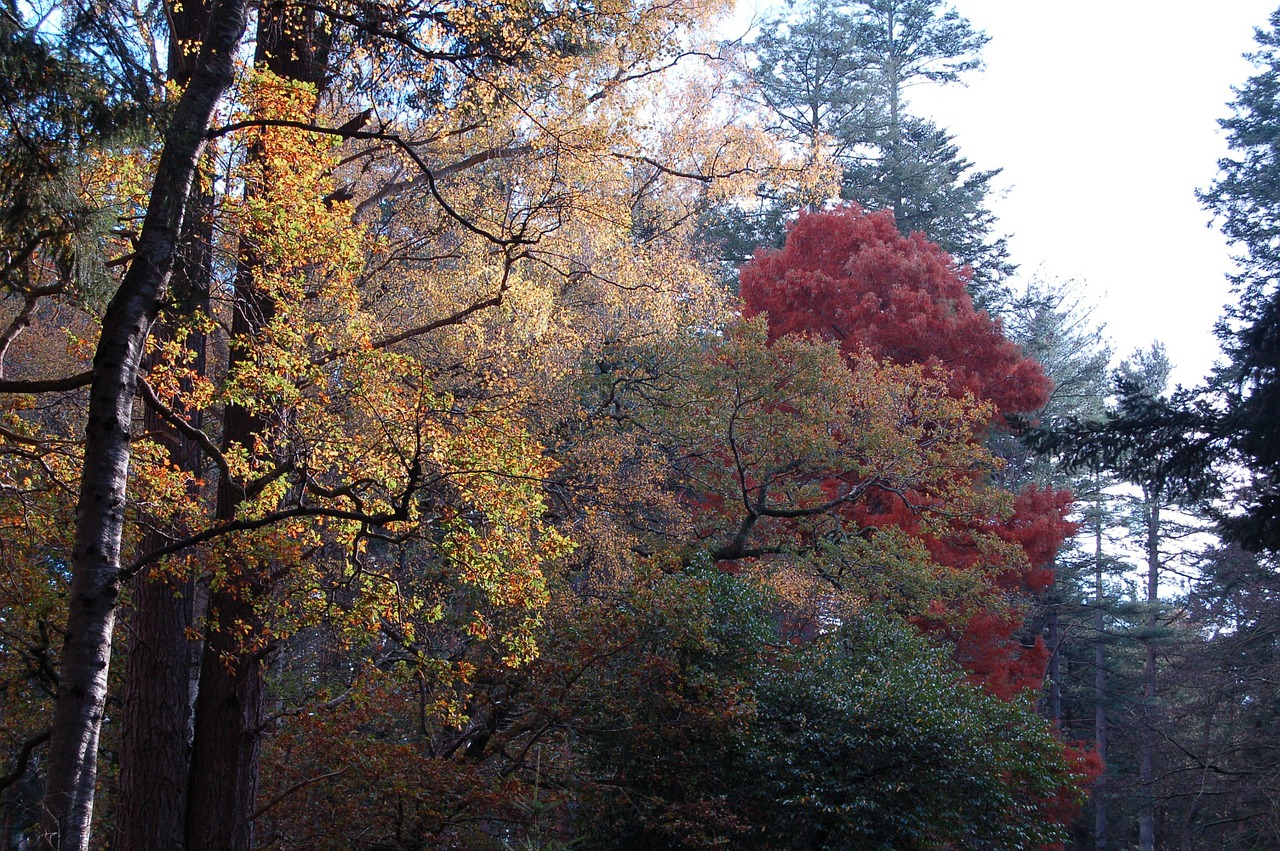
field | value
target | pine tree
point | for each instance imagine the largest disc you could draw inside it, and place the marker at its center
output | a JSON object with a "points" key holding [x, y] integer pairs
{"points": [[835, 76], [1246, 198]]}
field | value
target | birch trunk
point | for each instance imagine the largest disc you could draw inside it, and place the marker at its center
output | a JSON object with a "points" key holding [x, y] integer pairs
{"points": [[100, 508]]}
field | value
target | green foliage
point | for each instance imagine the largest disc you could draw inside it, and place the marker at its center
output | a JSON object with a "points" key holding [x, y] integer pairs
{"points": [[870, 738], [933, 189], [667, 708], [702, 734], [831, 78], [57, 107], [1246, 198]]}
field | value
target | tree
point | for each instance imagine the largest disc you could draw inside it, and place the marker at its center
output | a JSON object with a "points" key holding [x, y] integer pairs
{"points": [[302, 365], [1154, 442], [96, 576], [866, 743], [853, 278], [933, 189], [1221, 747], [1244, 198], [1053, 324], [67, 99], [834, 78]]}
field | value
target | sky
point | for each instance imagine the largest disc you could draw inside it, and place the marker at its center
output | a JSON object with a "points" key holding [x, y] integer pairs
{"points": [[1103, 116]]}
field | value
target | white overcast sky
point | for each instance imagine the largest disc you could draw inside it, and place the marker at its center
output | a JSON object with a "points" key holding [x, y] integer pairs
{"points": [[1103, 115]]}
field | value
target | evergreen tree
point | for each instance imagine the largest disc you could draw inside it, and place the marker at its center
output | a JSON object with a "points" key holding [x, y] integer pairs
{"points": [[1246, 197], [62, 98], [835, 76]]}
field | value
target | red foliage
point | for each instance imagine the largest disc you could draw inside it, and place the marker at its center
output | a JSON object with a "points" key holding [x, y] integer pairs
{"points": [[996, 659], [1039, 525], [989, 647], [851, 276], [1087, 766]]}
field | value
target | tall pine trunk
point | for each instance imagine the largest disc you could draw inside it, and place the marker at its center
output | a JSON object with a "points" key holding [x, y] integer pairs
{"points": [[100, 508], [1146, 815]]}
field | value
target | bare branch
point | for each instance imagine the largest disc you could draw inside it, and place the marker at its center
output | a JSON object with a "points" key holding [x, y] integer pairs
{"points": [[296, 787], [24, 757], [452, 319], [48, 385], [192, 433]]}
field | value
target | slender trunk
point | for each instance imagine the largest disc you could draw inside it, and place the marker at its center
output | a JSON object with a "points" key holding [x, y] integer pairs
{"points": [[100, 508], [1206, 756], [155, 736], [1146, 815], [1099, 685], [1055, 663], [893, 88]]}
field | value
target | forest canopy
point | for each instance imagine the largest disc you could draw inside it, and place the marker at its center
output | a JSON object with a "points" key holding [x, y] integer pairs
{"points": [[514, 425]]}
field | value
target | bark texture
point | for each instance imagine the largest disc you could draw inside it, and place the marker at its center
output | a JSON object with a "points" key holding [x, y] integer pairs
{"points": [[156, 726], [292, 43], [96, 578]]}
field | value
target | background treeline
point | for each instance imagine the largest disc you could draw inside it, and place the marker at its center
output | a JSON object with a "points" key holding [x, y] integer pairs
{"points": [[393, 456]]}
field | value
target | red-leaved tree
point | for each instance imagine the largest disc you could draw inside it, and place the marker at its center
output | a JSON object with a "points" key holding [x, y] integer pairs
{"points": [[851, 277]]}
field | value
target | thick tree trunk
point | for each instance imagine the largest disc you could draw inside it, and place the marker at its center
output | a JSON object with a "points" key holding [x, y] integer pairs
{"points": [[230, 709], [157, 714], [230, 712], [156, 727], [100, 509]]}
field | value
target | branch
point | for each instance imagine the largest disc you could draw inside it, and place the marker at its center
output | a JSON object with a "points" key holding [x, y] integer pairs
{"points": [[296, 787], [704, 178], [622, 78], [394, 138], [24, 757], [192, 433], [48, 385], [793, 513], [20, 438], [452, 319], [400, 513], [24, 253], [398, 186], [20, 322]]}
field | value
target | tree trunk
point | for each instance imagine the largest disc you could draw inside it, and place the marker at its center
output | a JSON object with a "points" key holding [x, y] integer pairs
{"points": [[156, 727], [1146, 815], [100, 508], [155, 739], [1099, 685], [230, 712], [155, 732], [1055, 662], [230, 708]]}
